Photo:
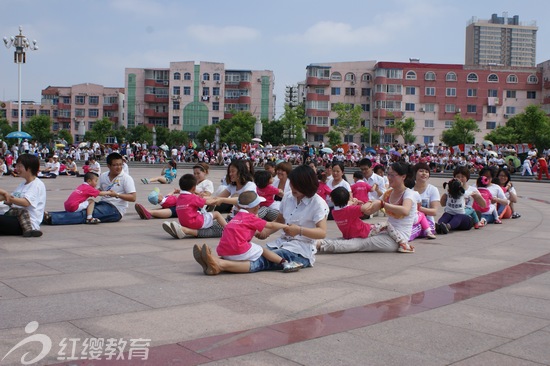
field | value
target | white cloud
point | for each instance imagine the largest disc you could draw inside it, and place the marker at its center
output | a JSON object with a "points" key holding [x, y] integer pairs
{"points": [[147, 8], [219, 35]]}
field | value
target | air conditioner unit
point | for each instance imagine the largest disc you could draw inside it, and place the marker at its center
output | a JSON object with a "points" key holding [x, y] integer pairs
{"points": [[218, 82], [165, 82], [204, 82], [458, 110], [217, 97], [259, 80], [421, 109], [506, 116]]}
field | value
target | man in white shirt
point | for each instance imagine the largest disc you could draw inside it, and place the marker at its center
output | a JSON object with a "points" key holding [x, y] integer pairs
{"points": [[371, 178]]}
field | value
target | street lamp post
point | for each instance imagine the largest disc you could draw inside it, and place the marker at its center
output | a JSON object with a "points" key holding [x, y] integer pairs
{"points": [[20, 43]]}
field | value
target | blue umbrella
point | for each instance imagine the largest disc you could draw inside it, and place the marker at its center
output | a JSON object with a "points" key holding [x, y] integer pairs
{"points": [[18, 135], [371, 150]]}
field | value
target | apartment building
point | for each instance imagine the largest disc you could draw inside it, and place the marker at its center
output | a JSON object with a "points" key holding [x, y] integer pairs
{"points": [[188, 95], [501, 41], [431, 94]]}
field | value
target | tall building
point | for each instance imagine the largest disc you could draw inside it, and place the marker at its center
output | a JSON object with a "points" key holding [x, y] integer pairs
{"points": [[187, 96], [501, 41], [431, 94]]}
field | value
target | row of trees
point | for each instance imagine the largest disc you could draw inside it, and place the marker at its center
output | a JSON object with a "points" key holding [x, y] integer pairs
{"points": [[531, 126]]}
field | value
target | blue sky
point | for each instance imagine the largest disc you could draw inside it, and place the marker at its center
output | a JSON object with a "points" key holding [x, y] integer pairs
{"points": [[94, 41]]}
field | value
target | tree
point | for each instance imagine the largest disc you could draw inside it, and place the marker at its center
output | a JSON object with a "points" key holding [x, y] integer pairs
{"points": [[5, 127], [177, 138], [101, 129], [375, 137], [334, 138], [273, 132], [293, 122], [39, 127], [462, 132], [140, 133], [239, 129], [503, 135], [405, 129], [65, 135], [349, 119]]}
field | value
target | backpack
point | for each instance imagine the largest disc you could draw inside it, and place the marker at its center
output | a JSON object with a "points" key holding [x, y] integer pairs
{"points": [[487, 196]]}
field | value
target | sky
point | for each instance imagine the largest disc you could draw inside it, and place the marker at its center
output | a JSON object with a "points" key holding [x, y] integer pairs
{"points": [[94, 41]]}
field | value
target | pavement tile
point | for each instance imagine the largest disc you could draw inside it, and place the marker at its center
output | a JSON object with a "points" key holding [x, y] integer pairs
{"points": [[532, 347], [24, 269], [7, 292], [473, 265], [64, 307], [101, 251], [494, 358], [254, 359], [512, 303]]}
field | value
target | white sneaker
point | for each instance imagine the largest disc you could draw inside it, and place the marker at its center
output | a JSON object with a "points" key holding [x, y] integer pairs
{"points": [[166, 226], [292, 266], [176, 228]]}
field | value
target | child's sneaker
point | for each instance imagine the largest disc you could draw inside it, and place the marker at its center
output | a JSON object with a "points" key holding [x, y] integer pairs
{"points": [[168, 228], [142, 212], [144, 181], [428, 234], [292, 266], [498, 221]]}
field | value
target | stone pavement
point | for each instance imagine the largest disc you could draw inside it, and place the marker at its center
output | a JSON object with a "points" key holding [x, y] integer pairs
{"points": [[467, 298]]}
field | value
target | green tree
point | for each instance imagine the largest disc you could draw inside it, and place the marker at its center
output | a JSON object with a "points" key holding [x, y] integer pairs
{"points": [[503, 135], [101, 129], [533, 126], [349, 119], [405, 128], [293, 122], [334, 138], [140, 133], [177, 138], [65, 135], [462, 132], [375, 138], [208, 133], [239, 129], [39, 127], [273, 132], [5, 127]]}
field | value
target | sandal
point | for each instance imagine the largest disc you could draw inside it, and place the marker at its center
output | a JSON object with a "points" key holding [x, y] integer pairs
{"points": [[515, 215], [93, 220], [405, 248]]}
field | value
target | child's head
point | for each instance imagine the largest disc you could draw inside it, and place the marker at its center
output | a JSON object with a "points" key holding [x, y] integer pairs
{"points": [[357, 176], [270, 167], [155, 197], [322, 175], [482, 181], [340, 196], [91, 178], [379, 169], [262, 178], [454, 188], [188, 182], [250, 201]]}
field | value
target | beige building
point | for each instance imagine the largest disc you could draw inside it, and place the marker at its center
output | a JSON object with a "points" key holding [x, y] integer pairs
{"points": [[187, 96]]}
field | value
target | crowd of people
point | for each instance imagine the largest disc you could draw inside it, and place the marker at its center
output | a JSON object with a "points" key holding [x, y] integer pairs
{"points": [[258, 200]]}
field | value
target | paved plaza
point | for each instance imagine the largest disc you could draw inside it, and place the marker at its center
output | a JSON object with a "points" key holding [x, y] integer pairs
{"points": [[468, 298]]}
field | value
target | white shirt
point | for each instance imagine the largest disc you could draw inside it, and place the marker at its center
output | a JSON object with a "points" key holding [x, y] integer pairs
{"points": [[404, 225], [122, 183], [430, 194], [35, 193], [332, 186], [379, 181]]}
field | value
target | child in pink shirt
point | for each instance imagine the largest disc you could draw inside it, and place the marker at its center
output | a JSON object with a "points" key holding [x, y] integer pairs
{"points": [[263, 180], [191, 215], [348, 218], [323, 190], [360, 189], [82, 198], [235, 243]]}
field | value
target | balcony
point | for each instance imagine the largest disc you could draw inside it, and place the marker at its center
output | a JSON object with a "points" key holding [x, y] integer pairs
{"points": [[314, 81], [245, 85], [156, 83], [152, 113], [317, 113], [315, 96], [243, 99], [317, 129], [110, 107], [152, 98]]}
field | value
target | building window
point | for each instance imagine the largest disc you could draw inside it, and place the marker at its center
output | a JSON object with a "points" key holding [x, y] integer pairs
{"points": [[365, 107], [205, 91], [429, 107], [93, 100], [490, 125], [428, 139], [409, 107], [429, 123], [532, 95], [491, 109], [450, 92], [55, 126], [216, 76], [215, 91], [350, 76], [176, 90], [450, 108], [430, 75], [187, 76], [492, 78], [430, 91], [472, 77], [215, 120], [334, 91], [410, 90], [79, 112], [512, 79], [186, 90], [451, 76], [492, 93], [365, 92], [532, 79], [216, 106], [205, 76], [30, 113], [510, 94], [175, 105], [350, 91], [65, 100], [44, 112], [510, 110], [366, 77], [177, 76], [471, 108], [93, 113], [449, 124], [472, 92], [336, 76], [79, 99], [410, 75], [320, 91]]}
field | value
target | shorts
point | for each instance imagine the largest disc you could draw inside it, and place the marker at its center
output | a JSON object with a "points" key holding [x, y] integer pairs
{"points": [[253, 253], [208, 220]]}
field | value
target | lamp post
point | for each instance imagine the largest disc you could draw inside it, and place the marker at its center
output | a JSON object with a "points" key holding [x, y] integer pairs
{"points": [[20, 43], [154, 130], [258, 128]]}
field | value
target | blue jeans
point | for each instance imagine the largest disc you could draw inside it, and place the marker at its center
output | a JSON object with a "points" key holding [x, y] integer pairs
{"points": [[103, 211], [262, 264]]}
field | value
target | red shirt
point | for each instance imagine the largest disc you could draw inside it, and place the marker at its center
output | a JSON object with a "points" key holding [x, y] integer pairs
{"points": [[187, 208], [323, 190], [348, 220], [170, 201], [238, 233], [360, 190], [79, 195], [542, 162], [268, 193]]}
